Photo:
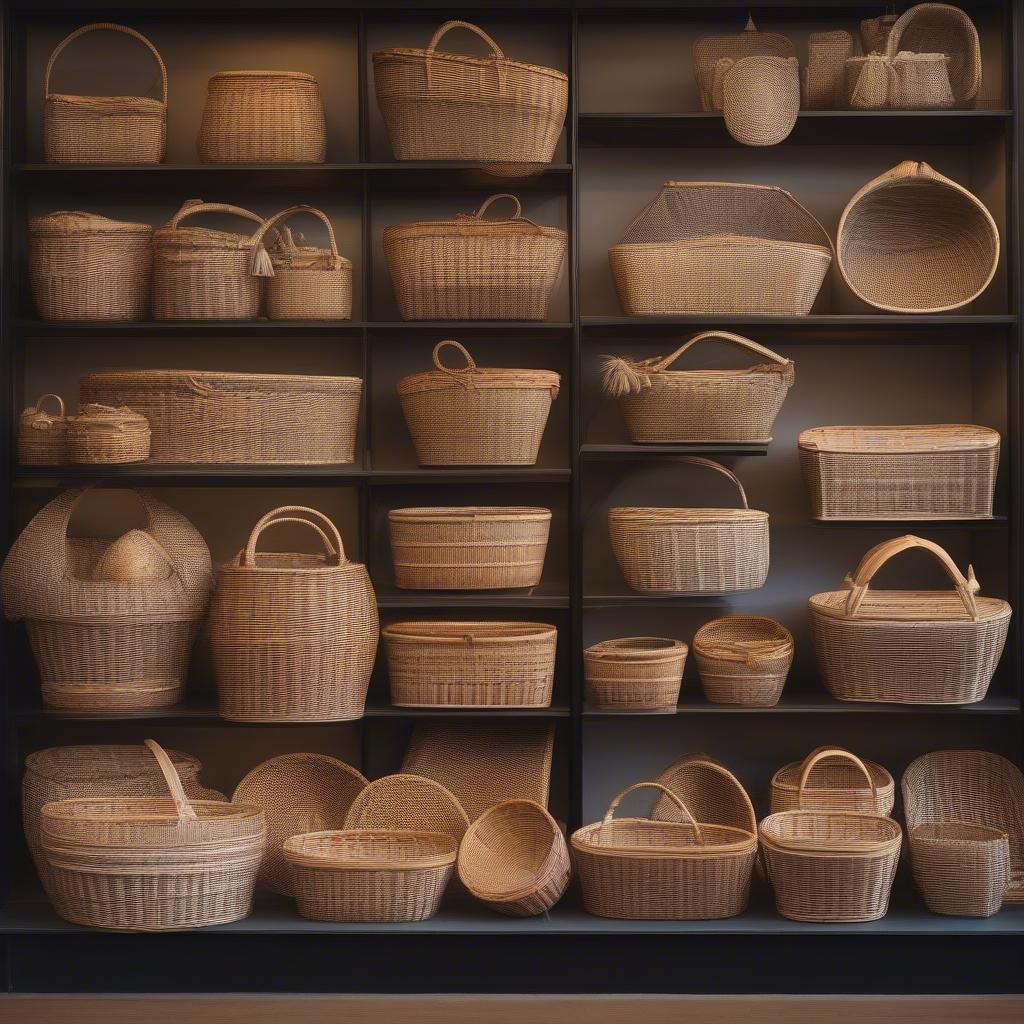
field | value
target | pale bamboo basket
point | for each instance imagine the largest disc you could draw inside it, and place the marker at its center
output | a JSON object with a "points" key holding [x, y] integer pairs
{"points": [[743, 659], [710, 792], [760, 98], [104, 435], [961, 870], [405, 801], [637, 673], [42, 435], [833, 779]]}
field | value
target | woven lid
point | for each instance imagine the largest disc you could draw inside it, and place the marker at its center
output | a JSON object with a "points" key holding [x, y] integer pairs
{"points": [[469, 634], [254, 386], [900, 440], [839, 772], [95, 415], [476, 224], [74, 222], [470, 514], [104, 762], [263, 77], [471, 376], [653, 518]]}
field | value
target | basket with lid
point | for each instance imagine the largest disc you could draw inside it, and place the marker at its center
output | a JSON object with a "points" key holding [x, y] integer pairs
{"points": [[833, 779], [635, 673], [104, 435], [743, 659], [42, 435]]}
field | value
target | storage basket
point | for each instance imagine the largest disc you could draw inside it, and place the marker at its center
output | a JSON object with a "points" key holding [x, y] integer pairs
{"points": [[636, 673], [692, 550], [42, 435], [451, 106], [199, 416], [470, 548], [293, 636], [914, 241], [514, 859], [833, 779], [743, 659], [471, 664], [108, 644], [263, 117], [86, 267], [708, 790], [406, 801], [962, 870], [640, 869], [104, 129], [370, 875], [706, 247], [101, 434], [824, 76], [476, 417], [760, 98], [874, 32], [907, 646], [152, 863], [933, 471], [474, 268], [661, 405]]}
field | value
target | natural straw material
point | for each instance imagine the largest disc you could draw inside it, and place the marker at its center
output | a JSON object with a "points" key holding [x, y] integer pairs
{"points": [[760, 98], [833, 779], [636, 673], [710, 792], [824, 76], [962, 870], [42, 435], [743, 659], [101, 434], [408, 802]]}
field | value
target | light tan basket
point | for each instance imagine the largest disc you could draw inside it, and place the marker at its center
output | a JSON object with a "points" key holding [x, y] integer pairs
{"points": [[636, 673], [743, 659], [42, 435], [961, 870], [833, 779], [825, 74], [104, 129], [474, 268], [908, 646], [708, 790], [405, 801], [470, 664], [760, 98], [476, 417], [104, 435], [874, 32]]}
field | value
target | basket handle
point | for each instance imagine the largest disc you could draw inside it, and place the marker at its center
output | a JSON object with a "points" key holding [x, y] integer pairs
{"points": [[486, 205], [261, 232], [462, 374], [496, 53], [106, 26], [821, 754], [38, 407], [192, 206], [182, 804], [614, 806], [781, 364], [317, 521], [699, 460]]}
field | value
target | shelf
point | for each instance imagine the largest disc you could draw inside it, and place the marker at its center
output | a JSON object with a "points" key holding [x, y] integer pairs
{"points": [[543, 596], [644, 452], [995, 523], [818, 704], [627, 598], [812, 321]]}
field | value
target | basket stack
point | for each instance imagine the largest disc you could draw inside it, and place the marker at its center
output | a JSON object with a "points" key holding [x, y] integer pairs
{"points": [[42, 435], [743, 659], [637, 673]]}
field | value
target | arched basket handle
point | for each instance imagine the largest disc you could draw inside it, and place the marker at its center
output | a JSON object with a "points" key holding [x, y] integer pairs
{"points": [[38, 407], [496, 53], [614, 806], [334, 548], [823, 753], [256, 264], [182, 804], [193, 206], [699, 460]]}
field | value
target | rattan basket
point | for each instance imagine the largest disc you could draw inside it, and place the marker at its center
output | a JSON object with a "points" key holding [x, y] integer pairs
{"points": [[833, 779], [104, 435], [825, 74], [743, 659], [710, 792], [760, 98], [636, 673], [961, 870], [42, 435], [908, 646], [405, 801]]}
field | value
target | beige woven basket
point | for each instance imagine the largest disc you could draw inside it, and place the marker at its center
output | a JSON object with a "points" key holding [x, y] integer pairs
{"points": [[743, 659], [405, 801], [708, 790], [662, 405], [474, 268], [293, 636], [476, 417], [932, 471], [692, 550], [263, 117], [833, 779], [825, 73], [760, 98], [908, 646], [874, 32], [636, 673], [471, 664], [961, 870], [42, 435], [104, 129], [502, 113], [104, 435]]}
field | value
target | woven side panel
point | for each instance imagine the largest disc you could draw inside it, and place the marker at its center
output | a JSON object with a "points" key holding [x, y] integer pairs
{"points": [[98, 132], [960, 870]]}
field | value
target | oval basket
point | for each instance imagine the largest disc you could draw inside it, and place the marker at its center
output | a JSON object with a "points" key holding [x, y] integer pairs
{"points": [[405, 801], [101, 434], [743, 659], [833, 779], [760, 98], [42, 435], [636, 673], [961, 870]]}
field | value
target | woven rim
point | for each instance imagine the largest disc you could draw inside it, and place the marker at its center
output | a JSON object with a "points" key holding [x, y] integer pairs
{"points": [[339, 849], [654, 517], [723, 243], [722, 839], [471, 514], [62, 223], [912, 439], [417, 54], [646, 649], [713, 639], [882, 834], [956, 834], [300, 76], [204, 379], [57, 763], [141, 809], [468, 633]]}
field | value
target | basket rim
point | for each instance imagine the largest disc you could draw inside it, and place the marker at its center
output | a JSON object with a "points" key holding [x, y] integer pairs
{"points": [[984, 834], [723, 241], [669, 650], [302, 76], [685, 516], [470, 514], [182, 377], [141, 810], [743, 842], [422, 54], [832, 604], [42, 226], [776, 631], [890, 834], [491, 378], [294, 853], [45, 763], [468, 226], [415, 631], [142, 104], [921, 438]]}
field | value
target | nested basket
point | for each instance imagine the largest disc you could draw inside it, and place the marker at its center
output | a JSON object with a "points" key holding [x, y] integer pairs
{"points": [[636, 673], [104, 129], [104, 435], [469, 548], [293, 636], [470, 664], [908, 646], [833, 779], [262, 117], [692, 550], [42, 435], [743, 659], [476, 417], [473, 267], [406, 801], [709, 791], [961, 870], [760, 97]]}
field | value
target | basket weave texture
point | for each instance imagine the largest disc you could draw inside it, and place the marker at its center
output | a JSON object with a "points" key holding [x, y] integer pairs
{"points": [[760, 98], [102, 434], [962, 870], [825, 74], [42, 435], [636, 673], [407, 801], [743, 659], [833, 779], [710, 792]]}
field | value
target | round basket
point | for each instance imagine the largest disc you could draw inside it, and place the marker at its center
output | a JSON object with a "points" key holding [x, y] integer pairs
{"points": [[636, 673], [961, 870], [406, 801], [743, 659], [833, 779], [102, 435], [760, 98], [710, 792], [42, 435]]}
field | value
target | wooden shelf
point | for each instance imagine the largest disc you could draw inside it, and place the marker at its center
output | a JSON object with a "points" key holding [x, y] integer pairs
{"points": [[817, 704], [543, 596], [646, 452], [273, 328]]}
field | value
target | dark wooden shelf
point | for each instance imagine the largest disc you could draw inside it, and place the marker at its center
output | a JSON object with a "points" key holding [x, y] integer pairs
{"points": [[626, 598], [811, 321], [270, 328], [817, 704], [995, 523], [644, 452], [543, 596]]}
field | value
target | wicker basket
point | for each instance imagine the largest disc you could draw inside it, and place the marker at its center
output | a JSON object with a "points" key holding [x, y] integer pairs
{"points": [[708, 790], [907, 646], [476, 417], [474, 268], [636, 673], [914, 241], [706, 247], [86, 267], [961, 870], [661, 405], [105, 644], [152, 863], [760, 98], [471, 664], [743, 659], [832, 779], [42, 435], [502, 113], [104, 435], [692, 550], [470, 548], [104, 129], [824, 76], [934, 471], [293, 636], [874, 32], [406, 801], [263, 117]]}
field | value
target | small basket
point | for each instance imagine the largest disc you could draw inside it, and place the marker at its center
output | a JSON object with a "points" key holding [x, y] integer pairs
{"points": [[405, 801], [832, 779], [637, 673], [743, 659], [961, 870], [760, 98], [476, 417], [42, 435], [824, 76], [103, 435]]}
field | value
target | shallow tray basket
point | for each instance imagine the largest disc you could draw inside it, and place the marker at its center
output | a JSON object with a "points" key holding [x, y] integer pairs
{"points": [[636, 673], [743, 659], [833, 779]]}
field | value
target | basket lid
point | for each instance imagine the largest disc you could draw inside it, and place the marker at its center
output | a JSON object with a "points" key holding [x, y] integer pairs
{"points": [[669, 517], [476, 225], [900, 440], [470, 514], [838, 770], [263, 77], [207, 383], [469, 634], [103, 762], [78, 222], [93, 414], [471, 376]]}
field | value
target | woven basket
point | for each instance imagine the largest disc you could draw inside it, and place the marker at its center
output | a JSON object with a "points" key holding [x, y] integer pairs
{"points": [[407, 801], [104, 435], [471, 664], [661, 405], [104, 129], [934, 471], [152, 863], [692, 550], [824, 76], [636, 673], [743, 659], [262, 117], [961, 870], [514, 859], [914, 241], [907, 646], [474, 268], [641, 869], [86, 267], [469, 548], [42, 435], [708, 790], [874, 32], [476, 417], [293, 636], [107, 644], [502, 113], [832, 779], [760, 98], [706, 247]]}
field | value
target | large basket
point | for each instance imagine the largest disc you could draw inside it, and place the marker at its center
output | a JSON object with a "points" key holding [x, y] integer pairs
{"points": [[961, 870], [833, 779], [474, 268], [104, 435], [104, 129], [502, 113], [743, 659], [692, 550], [907, 646], [933, 471], [293, 636], [636, 673], [42, 435], [476, 417]]}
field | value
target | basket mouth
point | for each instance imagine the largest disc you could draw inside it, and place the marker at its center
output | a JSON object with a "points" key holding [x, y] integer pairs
{"points": [[62, 223], [928, 606], [667, 517], [161, 379], [105, 763], [741, 636], [264, 76], [468, 226], [830, 832], [956, 834], [638, 648], [113, 104], [788, 778], [193, 237], [901, 440], [623, 837], [142, 810], [719, 244], [371, 850], [486, 377], [468, 633], [471, 514], [417, 54]]}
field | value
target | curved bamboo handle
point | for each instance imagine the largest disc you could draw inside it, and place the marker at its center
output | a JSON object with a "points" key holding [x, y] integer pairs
{"points": [[735, 339], [198, 206], [462, 374], [186, 812], [824, 752], [316, 521], [486, 205], [38, 407], [283, 215], [496, 54], [614, 805], [699, 460]]}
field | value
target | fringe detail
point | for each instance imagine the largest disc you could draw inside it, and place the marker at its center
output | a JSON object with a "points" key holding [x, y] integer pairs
{"points": [[262, 265], [620, 377]]}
